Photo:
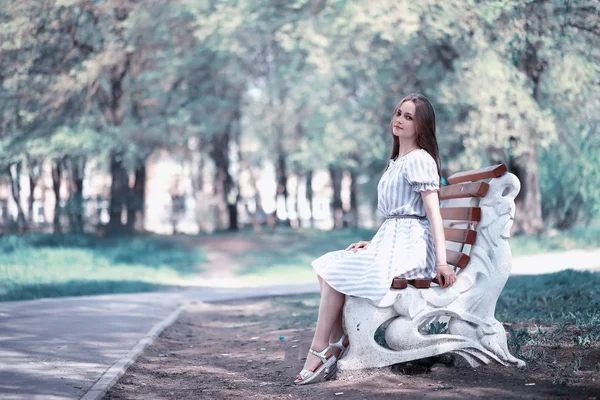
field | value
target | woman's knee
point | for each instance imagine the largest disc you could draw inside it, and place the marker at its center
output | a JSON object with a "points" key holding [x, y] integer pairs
{"points": [[326, 289]]}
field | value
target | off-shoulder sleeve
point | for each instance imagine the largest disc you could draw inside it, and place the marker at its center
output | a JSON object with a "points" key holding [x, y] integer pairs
{"points": [[421, 172]]}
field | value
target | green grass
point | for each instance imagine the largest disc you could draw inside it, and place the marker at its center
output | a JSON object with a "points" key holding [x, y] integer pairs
{"points": [[571, 297], [285, 254], [35, 266], [554, 323], [579, 237]]}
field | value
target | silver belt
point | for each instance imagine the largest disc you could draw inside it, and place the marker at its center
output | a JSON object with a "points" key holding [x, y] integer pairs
{"points": [[406, 217]]}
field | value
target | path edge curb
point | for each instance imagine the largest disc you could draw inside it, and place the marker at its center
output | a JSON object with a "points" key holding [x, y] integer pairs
{"points": [[118, 369]]}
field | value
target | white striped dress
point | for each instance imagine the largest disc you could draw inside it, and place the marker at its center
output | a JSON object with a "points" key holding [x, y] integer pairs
{"points": [[402, 247]]}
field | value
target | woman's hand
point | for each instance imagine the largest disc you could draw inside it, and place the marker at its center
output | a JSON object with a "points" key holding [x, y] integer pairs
{"points": [[445, 275], [360, 245]]}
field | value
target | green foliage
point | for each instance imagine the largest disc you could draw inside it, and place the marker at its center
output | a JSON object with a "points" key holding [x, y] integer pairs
{"points": [[584, 341], [570, 184], [313, 82], [569, 173], [437, 328], [518, 338]]}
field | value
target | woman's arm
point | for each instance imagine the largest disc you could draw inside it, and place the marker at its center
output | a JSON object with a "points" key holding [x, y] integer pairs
{"points": [[445, 274]]}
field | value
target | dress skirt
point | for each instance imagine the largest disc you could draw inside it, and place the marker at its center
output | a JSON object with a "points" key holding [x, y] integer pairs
{"points": [[402, 247]]}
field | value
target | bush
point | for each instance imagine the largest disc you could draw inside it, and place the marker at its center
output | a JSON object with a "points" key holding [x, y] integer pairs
{"points": [[569, 186]]}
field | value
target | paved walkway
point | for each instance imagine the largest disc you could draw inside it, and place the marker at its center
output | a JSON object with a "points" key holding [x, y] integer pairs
{"points": [[58, 348], [580, 260]]}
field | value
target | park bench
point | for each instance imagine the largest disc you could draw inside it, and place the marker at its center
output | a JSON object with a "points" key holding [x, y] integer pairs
{"points": [[478, 210]]}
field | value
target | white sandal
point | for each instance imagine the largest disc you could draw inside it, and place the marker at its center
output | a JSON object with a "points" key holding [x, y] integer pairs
{"points": [[330, 372], [305, 376]]}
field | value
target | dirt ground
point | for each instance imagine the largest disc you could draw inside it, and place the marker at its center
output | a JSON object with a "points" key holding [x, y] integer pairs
{"points": [[252, 349]]}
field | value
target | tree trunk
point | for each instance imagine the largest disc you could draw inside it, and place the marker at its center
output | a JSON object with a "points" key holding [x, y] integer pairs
{"points": [[310, 196], [296, 207], [233, 217], [236, 134], [119, 188], [336, 204], [259, 216], [32, 184], [282, 178], [224, 188], [528, 216], [198, 187], [137, 200], [353, 198], [34, 168], [57, 167], [77, 170], [119, 191], [15, 190]]}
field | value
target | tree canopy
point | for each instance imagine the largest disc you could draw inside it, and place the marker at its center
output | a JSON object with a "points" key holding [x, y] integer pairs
{"points": [[309, 85]]}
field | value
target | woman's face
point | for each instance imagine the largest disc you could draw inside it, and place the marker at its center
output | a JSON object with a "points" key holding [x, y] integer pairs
{"points": [[404, 121]]}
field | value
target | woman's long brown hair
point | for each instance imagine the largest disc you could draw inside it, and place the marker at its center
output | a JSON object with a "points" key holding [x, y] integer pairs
{"points": [[424, 127]]}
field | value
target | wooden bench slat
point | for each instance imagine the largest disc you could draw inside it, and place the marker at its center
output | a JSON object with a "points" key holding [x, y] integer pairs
{"points": [[494, 171], [466, 236], [461, 213], [464, 190], [399, 283], [402, 283], [458, 189], [457, 258]]}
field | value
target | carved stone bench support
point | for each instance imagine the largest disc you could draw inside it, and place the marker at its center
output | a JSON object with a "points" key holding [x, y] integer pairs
{"points": [[468, 306]]}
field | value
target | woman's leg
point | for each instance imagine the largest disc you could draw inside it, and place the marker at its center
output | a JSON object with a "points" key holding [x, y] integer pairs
{"points": [[338, 329], [329, 319]]}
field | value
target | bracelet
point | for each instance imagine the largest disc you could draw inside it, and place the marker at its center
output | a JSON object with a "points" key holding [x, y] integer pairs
{"points": [[440, 265]]}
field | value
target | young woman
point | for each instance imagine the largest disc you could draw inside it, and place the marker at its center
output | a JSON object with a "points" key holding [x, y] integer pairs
{"points": [[410, 243]]}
